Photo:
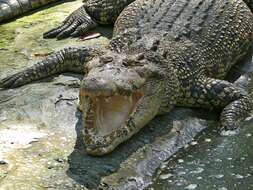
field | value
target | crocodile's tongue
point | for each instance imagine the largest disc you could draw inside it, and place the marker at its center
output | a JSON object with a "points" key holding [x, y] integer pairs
{"points": [[113, 112]]}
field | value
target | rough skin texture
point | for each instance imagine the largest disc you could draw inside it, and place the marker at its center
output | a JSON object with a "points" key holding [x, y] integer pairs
{"points": [[87, 17], [12, 8], [162, 54]]}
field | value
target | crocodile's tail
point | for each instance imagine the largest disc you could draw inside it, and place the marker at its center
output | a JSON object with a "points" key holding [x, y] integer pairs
{"points": [[13, 8]]}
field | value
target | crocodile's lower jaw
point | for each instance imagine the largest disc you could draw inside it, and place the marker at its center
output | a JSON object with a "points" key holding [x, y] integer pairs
{"points": [[105, 115]]}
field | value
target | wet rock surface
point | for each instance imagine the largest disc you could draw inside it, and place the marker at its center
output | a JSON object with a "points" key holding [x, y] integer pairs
{"points": [[41, 141]]}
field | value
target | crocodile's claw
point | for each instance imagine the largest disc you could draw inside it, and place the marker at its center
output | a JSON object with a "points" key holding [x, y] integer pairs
{"points": [[74, 25], [229, 127], [13, 81]]}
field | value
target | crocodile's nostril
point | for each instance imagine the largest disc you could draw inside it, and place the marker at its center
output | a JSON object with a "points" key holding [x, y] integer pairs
{"points": [[93, 80]]}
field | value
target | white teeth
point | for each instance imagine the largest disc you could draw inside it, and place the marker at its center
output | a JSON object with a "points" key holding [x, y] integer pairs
{"points": [[107, 100]]}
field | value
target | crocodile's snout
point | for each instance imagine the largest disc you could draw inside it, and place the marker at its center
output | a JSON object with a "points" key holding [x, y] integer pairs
{"points": [[98, 87], [112, 78]]}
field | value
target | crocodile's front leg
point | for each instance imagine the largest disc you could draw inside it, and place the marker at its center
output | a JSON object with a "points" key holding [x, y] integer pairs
{"points": [[68, 59], [75, 24], [214, 93]]}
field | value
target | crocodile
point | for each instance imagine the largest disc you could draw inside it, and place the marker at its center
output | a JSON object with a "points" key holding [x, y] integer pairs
{"points": [[12, 8], [162, 54]]}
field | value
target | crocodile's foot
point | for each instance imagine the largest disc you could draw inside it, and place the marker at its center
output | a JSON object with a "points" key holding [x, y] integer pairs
{"points": [[74, 25], [235, 112], [13, 81], [215, 93], [68, 59]]}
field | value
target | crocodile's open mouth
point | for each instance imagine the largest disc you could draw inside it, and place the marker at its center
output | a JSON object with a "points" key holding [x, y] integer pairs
{"points": [[105, 114]]}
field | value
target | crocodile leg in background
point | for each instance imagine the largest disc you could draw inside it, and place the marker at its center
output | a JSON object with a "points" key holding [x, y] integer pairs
{"points": [[12, 8], [76, 23], [87, 17], [69, 59], [215, 93]]}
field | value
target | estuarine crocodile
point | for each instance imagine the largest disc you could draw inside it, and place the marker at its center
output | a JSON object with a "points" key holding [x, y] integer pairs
{"points": [[162, 54]]}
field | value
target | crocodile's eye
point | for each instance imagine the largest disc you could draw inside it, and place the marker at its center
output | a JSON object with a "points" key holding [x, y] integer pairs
{"points": [[139, 56], [106, 59], [126, 62]]}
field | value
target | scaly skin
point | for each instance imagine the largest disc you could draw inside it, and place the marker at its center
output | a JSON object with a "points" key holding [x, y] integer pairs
{"points": [[162, 54], [87, 17], [12, 8]]}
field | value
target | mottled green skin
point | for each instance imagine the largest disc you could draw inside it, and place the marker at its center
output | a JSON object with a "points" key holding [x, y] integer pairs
{"points": [[177, 52]]}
